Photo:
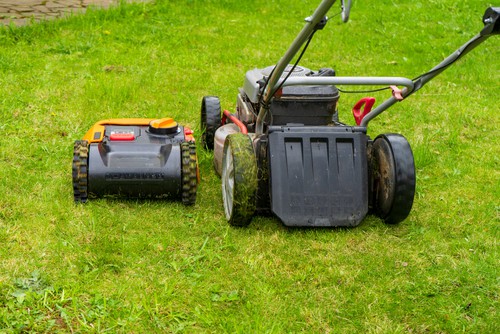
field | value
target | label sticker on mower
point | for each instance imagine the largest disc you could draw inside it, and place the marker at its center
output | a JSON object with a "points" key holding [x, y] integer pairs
{"points": [[125, 135]]}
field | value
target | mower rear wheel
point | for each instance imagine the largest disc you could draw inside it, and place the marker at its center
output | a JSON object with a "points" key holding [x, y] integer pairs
{"points": [[189, 172], [210, 120], [80, 171], [239, 179], [393, 176]]}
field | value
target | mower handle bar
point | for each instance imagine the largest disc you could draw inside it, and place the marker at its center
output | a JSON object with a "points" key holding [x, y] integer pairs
{"points": [[346, 9], [491, 27], [319, 81], [312, 24], [410, 86]]}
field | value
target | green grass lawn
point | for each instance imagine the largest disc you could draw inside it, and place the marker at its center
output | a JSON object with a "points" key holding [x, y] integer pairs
{"points": [[153, 266]]}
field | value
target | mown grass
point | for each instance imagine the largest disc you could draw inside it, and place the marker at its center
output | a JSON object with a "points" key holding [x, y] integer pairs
{"points": [[150, 266]]}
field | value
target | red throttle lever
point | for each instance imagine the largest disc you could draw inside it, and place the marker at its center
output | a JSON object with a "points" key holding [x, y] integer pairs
{"points": [[368, 102]]}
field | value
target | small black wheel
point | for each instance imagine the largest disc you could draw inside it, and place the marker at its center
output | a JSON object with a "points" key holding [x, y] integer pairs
{"points": [[189, 172], [210, 120], [80, 171], [239, 179], [393, 177]]}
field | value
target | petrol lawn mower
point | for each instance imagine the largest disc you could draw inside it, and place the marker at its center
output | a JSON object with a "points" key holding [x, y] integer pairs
{"points": [[285, 151], [136, 157]]}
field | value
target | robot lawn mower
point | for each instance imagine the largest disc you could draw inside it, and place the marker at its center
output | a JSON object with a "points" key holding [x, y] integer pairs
{"points": [[136, 157], [285, 151]]}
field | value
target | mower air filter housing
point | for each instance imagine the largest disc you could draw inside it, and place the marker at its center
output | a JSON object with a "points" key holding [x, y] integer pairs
{"points": [[307, 105], [302, 104]]}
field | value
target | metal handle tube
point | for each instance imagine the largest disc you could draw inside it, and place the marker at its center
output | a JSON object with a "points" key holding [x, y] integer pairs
{"points": [[435, 71], [301, 38], [462, 51], [398, 81], [357, 81]]}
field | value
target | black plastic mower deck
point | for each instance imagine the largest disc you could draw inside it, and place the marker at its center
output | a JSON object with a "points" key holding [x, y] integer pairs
{"points": [[318, 175]]}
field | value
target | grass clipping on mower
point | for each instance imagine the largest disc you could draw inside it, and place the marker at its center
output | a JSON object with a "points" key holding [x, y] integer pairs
{"points": [[245, 174]]}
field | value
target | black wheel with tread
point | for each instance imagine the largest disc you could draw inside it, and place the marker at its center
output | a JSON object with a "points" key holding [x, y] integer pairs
{"points": [[80, 171], [189, 172], [393, 177], [210, 120], [239, 179]]}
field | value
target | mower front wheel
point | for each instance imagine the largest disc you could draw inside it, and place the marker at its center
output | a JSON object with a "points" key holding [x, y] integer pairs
{"points": [[80, 171], [394, 177], [189, 173], [239, 179], [210, 120]]}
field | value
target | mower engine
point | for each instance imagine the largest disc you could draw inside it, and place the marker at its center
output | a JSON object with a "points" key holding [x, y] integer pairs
{"points": [[292, 105], [306, 105], [138, 158]]}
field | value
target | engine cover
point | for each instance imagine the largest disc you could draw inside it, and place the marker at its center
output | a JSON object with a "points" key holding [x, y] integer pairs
{"points": [[303, 104]]}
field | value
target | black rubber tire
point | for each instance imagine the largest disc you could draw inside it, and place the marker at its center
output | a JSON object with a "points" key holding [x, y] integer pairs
{"points": [[210, 120], [239, 179], [80, 171], [393, 177], [189, 173]]}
